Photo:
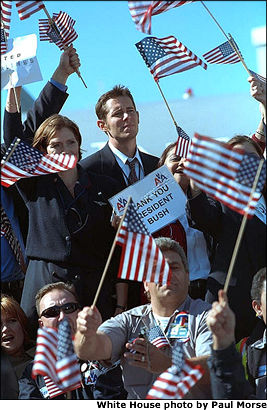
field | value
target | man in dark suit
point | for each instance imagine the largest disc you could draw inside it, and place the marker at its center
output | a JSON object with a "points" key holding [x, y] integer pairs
{"points": [[120, 158]]}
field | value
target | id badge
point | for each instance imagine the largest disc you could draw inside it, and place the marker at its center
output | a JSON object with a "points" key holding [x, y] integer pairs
{"points": [[179, 328]]}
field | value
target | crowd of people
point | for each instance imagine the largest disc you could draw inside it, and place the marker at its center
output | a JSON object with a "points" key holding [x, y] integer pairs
{"points": [[59, 229]]}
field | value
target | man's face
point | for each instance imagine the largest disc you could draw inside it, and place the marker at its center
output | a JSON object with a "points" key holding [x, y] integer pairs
{"points": [[58, 297], [178, 288], [121, 122]]}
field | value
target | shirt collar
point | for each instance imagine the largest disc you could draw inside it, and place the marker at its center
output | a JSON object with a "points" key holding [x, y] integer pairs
{"points": [[122, 157]]}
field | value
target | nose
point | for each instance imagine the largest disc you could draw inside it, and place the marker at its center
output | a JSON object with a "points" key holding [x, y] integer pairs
{"points": [[61, 316]]}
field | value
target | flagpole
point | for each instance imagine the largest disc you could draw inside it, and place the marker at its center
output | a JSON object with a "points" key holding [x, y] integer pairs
{"points": [[166, 104], [10, 75], [16, 143], [242, 228], [230, 38], [110, 254], [52, 23]]}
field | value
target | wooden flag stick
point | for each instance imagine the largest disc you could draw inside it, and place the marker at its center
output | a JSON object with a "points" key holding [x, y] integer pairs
{"points": [[16, 143], [230, 38], [10, 75], [166, 104], [52, 23], [242, 228], [110, 255]]}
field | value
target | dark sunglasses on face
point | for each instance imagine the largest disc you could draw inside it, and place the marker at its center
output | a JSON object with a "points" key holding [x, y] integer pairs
{"points": [[54, 311]]}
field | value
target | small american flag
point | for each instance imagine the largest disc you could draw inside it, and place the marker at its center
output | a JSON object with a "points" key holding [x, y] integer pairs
{"points": [[177, 380], [27, 161], [223, 54], [166, 56], [141, 258], [27, 8], [61, 32], [183, 143], [44, 27], [224, 173], [55, 360], [6, 8], [142, 11], [3, 42], [257, 76], [156, 337]]}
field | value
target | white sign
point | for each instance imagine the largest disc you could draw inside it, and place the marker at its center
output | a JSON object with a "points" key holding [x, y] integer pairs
{"points": [[19, 66], [158, 198]]}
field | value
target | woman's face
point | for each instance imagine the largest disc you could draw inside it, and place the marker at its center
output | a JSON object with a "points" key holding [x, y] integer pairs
{"points": [[64, 142], [175, 164], [12, 336]]}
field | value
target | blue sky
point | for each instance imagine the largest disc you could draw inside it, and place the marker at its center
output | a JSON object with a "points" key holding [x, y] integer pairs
{"points": [[106, 46]]}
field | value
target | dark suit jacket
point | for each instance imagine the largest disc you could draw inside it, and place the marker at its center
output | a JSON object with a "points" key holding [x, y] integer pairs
{"points": [[104, 162]]}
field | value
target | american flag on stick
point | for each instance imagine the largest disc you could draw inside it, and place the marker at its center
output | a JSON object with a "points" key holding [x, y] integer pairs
{"points": [[257, 76], [166, 56], [60, 31], [223, 54], [183, 143], [3, 42], [224, 173], [178, 379], [27, 8], [141, 258], [55, 359], [142, 11], [156, 337], [26, 161]]}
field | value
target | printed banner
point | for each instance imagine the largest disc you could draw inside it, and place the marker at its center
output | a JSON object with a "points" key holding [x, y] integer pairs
{"points": [[158, 199], [19, 66]]}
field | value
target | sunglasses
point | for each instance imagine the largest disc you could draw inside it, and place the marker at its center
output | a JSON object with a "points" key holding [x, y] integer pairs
{"points": [[54, 311]]}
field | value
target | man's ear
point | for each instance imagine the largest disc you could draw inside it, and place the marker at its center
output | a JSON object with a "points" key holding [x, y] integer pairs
{"points": [[257, 307], [137, 112], [40, 323], [102, 125]]}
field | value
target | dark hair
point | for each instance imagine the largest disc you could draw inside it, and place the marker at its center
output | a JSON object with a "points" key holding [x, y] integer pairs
{"points": [[165, 154], [258, 284], [117, 91], [50, 126], [69, 287], [241, 139]]}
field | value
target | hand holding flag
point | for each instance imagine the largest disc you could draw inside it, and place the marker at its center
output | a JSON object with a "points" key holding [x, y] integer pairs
{"points": [[178, 379]]}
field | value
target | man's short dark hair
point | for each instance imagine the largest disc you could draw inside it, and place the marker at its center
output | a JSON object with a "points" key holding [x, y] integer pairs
{"points": [[117, 91], [69, 287], [258, 284]]}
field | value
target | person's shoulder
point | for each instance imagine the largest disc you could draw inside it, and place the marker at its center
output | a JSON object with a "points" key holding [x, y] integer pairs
{"points": [[198, 306], [149, 156], [93, 159]]}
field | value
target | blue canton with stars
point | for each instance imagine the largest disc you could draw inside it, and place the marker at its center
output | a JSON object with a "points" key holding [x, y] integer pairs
{"points": [[133, 221], [178, 356], [182, 133], [150, 50], [24, 157], [65, 346], [248, 169], [226, 49]]}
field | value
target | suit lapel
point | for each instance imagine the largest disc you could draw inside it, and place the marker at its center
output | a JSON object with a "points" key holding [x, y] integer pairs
{"points": [[110, 166]]}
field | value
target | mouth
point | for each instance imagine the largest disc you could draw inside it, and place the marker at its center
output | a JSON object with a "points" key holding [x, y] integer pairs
{"points": [[7, 339]]}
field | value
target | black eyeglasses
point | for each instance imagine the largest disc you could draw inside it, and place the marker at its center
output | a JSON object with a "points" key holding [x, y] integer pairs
{"points": [[54, 311]]}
